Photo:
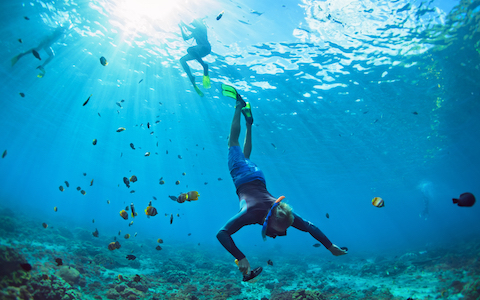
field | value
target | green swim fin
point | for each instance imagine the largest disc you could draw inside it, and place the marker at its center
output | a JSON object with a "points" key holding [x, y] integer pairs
{"points": [[199, 92], [206, 82], [247, 113], [14, 60], [229, 91]]}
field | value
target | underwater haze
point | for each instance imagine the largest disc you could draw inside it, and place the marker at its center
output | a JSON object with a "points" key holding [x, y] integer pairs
{"points": [[351, 99]]}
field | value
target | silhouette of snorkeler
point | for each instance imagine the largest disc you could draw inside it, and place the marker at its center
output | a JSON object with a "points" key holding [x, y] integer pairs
{"points": [[198, 31], [45, 44]]}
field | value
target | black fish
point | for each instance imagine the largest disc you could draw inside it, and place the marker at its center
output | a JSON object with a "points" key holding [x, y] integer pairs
{"points": [[22, 95], [118, 103], [171, 218], [20, 40], [131, 257], [140, 80], [27, 18], [132, 191], [85, 103], [327, 215], [173, 198], [84, 174], [99, 115], [274, 145], [158, 248], [66, 183], [220, 179], [316, 245], [132, 146], [59, 261], [26, 267], [78, 188], [465, 199], [270, 263], [4, 154], [126, 181], [137, 278], [103, 61], [154, 198], [189, 234], [35, 53], [95, 233], [179, 156]]}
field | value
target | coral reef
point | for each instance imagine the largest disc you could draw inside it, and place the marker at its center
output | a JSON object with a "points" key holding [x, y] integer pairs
{"points": [[69, 274]]}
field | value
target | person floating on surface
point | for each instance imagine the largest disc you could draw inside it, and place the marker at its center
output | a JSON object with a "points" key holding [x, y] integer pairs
{"points": [[198, 31], [46, 45], [257, 205]]}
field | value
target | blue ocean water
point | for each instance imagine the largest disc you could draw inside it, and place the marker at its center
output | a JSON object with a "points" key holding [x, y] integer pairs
{"points": [[351, 100]]}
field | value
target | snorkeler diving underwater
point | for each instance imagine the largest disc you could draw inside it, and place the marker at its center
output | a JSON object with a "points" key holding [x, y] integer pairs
{"points": [[242, 149]]}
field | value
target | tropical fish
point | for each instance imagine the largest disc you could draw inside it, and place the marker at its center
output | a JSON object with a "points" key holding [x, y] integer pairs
{"points": [[316, 245], [127, 236], [137, 278], [270, 263], [190, 196], [59, 261], [378, 202], [135, 236], [44, 225], [85, 103], [132, 191], [67, 184], [95, 233], [161, 182], [184, 173], [83, 192], [26, 267], [103, 61], [147, 154], [151, 211], [22, 95], [108, 201], [113, 245], [36, 54], [465, 199], [132, 146], [126, 181], [124, 214], [55, 209], [177, 182], [91, 182], [173, 198], [160, 241], [120, 129], [94, 142], [132, 208], [130, 224], [220, 15], [158, 248], [131, 257], [120, 277], [60, 188], [148, 125], [133, 178]]}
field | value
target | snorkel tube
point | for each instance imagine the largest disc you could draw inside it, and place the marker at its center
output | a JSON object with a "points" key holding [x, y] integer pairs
{"points": [[265, 224]]}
